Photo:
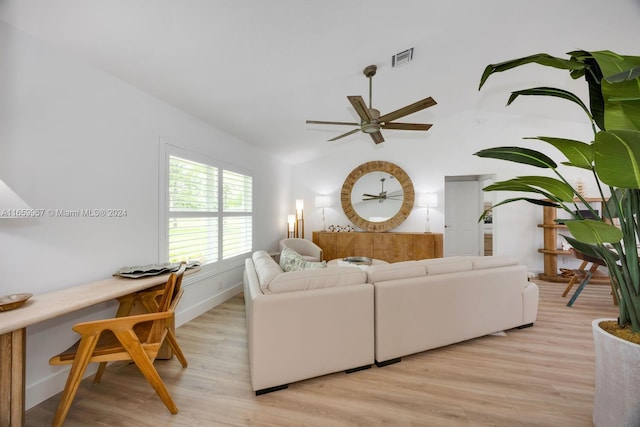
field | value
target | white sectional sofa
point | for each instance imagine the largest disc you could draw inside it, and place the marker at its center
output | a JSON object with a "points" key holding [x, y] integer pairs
{"points": [[303, 324]]}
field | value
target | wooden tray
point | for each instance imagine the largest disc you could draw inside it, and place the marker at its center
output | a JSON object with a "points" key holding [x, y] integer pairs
{"points": [[9, 302]]}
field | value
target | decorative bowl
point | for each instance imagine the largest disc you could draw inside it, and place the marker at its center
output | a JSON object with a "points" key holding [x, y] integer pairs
{"points": [[9, 302]]}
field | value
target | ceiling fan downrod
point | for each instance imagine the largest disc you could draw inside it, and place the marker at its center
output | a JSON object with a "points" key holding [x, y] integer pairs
{"points": [[370, 71]]}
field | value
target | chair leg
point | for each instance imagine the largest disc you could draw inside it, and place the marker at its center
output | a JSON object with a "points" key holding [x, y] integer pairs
{"points": [[99, 372], [173, 343], [142, 361], [124, 309], [574, 279], [570, 285], [79, 366]]}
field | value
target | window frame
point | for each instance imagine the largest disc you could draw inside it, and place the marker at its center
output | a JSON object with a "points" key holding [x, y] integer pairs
{"points": [[167, 150]]}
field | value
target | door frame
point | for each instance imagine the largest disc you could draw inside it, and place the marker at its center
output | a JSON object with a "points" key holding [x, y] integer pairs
{"points": [[484, 197]]}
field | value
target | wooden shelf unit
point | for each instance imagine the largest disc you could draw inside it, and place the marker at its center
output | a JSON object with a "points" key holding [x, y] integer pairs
{"points": [[550, 249], [387, 246]]}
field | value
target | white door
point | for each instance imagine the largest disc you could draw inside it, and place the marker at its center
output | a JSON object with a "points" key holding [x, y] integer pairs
{"points": [[462, 208]]}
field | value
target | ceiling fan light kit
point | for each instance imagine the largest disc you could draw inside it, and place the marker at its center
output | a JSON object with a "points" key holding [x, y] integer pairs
{"points": [[371, 120]]}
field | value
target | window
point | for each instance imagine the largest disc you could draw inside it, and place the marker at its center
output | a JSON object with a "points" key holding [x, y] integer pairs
{"points": [[209, 212]]}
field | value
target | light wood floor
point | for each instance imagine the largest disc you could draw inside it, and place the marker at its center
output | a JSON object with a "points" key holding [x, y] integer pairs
{"points": [[540, 376]]}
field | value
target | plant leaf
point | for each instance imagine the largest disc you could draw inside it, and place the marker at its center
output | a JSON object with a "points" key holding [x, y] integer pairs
{"points": [[620, 90], [585, 248], [578, 153], [551, 91], [539, 58], [513, 185], [519, 155], [550, 188], [622, 104], [612, 64], [561, 190], [594, 232], [630, 74], [517, 199], [593, 76], [615, 152]]}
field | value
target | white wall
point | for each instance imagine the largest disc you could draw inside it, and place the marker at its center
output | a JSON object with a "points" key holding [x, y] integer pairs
{"points": [[72, 137]]}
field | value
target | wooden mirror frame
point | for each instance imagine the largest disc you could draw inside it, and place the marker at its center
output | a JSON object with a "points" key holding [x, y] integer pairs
{"points": [[378, 166]]}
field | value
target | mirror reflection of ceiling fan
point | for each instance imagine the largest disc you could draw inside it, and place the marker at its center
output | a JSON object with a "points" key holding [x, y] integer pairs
{"points": [[372, 121], [382, 196]]}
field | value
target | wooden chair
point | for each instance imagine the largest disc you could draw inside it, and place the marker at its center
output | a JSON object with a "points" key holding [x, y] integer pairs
{"points": [[149, 300], [136, 337], [585, 275]]}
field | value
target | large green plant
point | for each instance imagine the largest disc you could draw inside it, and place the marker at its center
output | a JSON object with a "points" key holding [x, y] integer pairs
{"points": [[613, 157]]}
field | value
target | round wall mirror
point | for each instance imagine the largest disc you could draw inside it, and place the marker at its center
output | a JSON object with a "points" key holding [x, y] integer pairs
{"points": [[377, 196]]}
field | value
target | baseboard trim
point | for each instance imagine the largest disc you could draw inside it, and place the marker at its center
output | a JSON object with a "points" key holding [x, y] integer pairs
{"points": [[190, 313]]}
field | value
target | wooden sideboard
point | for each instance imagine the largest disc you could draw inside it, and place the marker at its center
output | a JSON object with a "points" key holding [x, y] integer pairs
{"points": [[387, 246]]}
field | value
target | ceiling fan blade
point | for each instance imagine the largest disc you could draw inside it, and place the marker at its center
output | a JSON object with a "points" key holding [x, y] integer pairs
{"points": [[406, 126], [377, 137], [345, 134], [319, 122], [360, 107], [409, 109]]}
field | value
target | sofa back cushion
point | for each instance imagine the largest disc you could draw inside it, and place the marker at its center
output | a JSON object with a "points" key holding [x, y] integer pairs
{"points": [[316, 279], [266, 268], [481, 263], [396, 270], [447, 265]]}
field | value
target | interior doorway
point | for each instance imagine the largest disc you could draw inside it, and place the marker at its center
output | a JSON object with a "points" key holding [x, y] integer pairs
{"points": [[464, 202]]}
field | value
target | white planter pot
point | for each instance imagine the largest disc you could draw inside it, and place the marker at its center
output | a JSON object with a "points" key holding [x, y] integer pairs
{"points": [[617, 397]]}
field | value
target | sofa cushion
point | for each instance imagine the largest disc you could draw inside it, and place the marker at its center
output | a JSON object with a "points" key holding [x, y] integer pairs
{"points": [[447, 265], [266, 268], [396, 270], [317, 279], [493, 262], [291, 260]]}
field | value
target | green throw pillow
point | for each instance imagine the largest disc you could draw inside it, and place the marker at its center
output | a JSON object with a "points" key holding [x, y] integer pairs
{"points": [[291, 260]]}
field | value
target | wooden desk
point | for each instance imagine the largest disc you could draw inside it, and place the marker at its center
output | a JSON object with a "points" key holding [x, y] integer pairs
{"points": [[43, 307]]}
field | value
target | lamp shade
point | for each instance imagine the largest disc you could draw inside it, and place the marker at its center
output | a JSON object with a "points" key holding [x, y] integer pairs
{"points": [[299, 204], [323, 201], [10, 202], [428, 200]]}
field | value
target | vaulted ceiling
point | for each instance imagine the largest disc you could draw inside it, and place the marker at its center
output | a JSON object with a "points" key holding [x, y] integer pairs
{"points": [[258, 69]]}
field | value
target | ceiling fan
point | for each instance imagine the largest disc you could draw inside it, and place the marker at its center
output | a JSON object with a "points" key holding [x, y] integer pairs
{"points": [[372, 121]]}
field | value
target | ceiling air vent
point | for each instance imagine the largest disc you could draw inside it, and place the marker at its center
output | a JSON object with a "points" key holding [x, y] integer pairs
{"points": [[402, 58]]}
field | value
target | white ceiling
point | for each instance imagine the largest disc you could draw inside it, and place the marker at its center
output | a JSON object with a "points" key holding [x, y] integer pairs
{"points": [[258, 69]]}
